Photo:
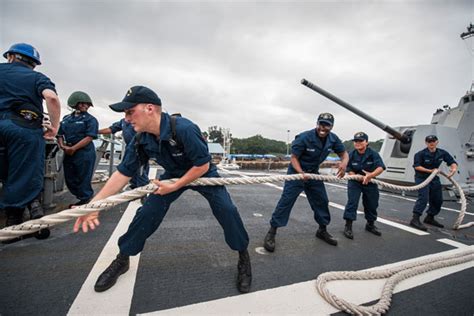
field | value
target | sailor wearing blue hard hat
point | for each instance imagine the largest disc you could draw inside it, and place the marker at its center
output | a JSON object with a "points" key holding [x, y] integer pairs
{"points": [[22, 134], [308, 151], [366, 162]]}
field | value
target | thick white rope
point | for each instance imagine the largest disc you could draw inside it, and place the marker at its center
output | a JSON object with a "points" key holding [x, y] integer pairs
{"points": [[393, 275], [66, 215]]}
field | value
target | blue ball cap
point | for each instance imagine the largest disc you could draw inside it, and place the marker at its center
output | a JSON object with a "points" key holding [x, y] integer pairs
{"points": [[134, 96], [431, 138], [360, 136], [327, 118]]}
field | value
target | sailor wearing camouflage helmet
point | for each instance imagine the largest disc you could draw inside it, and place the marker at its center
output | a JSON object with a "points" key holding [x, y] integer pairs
{"points": [[308, 151], [76, 132]]}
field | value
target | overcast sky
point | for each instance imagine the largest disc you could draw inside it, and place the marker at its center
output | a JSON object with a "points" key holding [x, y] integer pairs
{"points": [[238, 64]]}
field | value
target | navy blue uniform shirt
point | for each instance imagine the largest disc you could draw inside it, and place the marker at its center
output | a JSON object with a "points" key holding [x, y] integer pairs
{"points": [[312, 151], [19, 83], [74, 128], [368, 161], [175, 160], [431, 160], [127, 130]]}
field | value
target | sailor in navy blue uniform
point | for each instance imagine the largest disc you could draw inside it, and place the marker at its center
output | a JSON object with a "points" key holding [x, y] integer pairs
{"points": [[425, 162], [308, 151], [187, 158], [77, 131], [364, 161], [141, 178], [22, 145]]}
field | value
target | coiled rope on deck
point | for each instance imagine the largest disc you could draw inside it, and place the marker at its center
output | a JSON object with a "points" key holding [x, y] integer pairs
{"points": [[393, 275], [66, 215]]}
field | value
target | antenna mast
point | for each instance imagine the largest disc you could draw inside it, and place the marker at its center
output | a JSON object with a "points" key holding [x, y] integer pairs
{"points": [[464, 36]]}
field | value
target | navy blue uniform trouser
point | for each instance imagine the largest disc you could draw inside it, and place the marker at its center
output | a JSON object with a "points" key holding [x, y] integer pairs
{"points": [[149, 217], [78, 172], [141, 177], [317, 197], [24, 170], [432, 193], [370, 200]]}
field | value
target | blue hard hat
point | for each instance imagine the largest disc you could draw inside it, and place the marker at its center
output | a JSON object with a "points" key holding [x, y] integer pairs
{"points": [[25, 50]]}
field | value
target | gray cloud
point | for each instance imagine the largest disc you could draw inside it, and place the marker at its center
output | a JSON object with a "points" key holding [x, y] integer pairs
{"points": [[238, 64]]}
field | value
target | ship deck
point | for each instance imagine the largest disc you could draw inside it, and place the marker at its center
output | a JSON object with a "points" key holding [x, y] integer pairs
{"points": [[186, 267]]}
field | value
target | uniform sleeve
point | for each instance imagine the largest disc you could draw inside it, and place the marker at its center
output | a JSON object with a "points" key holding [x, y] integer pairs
{"points": [[92, 128], [130, 164], [61, 127], [448, 158], [349, 164], [378, 162], [298, 146], [116, 127], [60, 130], [417, 160], [195, 147], [338, 146], [43, 83]]}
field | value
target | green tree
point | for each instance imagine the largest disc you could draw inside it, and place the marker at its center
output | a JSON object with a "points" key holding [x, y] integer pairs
{"points": [[258, 145], [215, 135]]}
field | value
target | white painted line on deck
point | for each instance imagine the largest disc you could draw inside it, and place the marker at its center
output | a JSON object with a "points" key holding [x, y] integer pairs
{"points": [[119, 298], [453, 243], [399, 197], [379, 219], [303, 298]]}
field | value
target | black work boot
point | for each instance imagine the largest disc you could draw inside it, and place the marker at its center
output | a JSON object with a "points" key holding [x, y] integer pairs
{"points": [[14, 217], [323, 234], [269, 241], [110, 275], [36, 210], [348, 229], [415, 222], [370, 227], [244, 270], [429, 219]]}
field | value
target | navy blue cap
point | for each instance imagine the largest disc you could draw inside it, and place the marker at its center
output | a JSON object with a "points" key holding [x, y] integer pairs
{"points": [[431, 138], [134, 96], [327, 118], [360, 136]]}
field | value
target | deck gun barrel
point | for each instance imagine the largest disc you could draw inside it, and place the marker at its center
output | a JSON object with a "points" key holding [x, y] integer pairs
{"points": [[402, 138]]}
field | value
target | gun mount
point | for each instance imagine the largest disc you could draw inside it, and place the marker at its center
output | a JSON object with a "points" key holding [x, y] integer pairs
{"points": [[453, 126], [404, 138]]}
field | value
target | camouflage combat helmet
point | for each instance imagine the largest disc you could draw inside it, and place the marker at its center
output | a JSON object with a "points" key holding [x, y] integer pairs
{"points": [[78, 97]]}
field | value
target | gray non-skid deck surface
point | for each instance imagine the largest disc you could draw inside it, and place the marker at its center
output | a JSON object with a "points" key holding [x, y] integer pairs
{"points": [[187, 261]]}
